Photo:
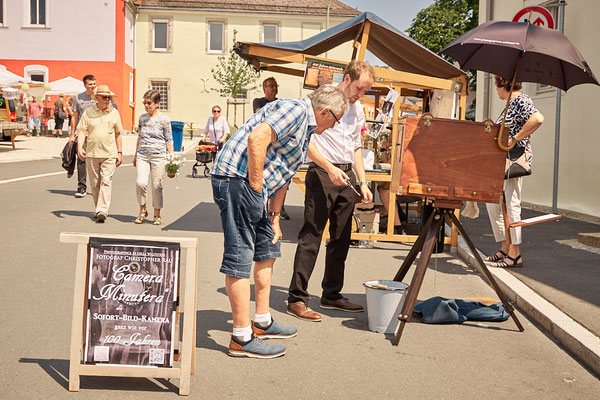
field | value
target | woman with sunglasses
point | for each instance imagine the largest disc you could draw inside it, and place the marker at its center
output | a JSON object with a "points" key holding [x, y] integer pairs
{"points": [[155, 140], [217, 128]]}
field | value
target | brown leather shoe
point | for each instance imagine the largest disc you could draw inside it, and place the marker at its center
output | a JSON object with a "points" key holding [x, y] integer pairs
{"points": [[342, 304], [302, 311]]}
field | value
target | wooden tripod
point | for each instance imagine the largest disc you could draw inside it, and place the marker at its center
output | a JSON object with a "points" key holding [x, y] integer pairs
{"points": [[424, 244]]}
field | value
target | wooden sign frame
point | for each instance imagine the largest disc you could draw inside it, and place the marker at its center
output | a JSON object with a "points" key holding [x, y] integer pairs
{"points": [[187, 348]]}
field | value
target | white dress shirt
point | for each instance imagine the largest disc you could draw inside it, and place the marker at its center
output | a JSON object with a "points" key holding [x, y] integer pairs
{"points": [[338, 144], [216, 129]]}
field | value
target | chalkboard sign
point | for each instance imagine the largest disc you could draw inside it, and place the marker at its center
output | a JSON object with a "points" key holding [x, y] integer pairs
{"points": [[132, 295]]}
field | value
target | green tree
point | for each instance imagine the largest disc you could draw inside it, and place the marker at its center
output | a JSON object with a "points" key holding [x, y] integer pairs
{"points": [[234, 75], [443, 21]]}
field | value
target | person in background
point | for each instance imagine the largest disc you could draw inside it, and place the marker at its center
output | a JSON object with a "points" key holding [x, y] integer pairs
{"points": [[69, 110], [155, 140], [338, 151], [270, 89], [524, 119], [216, 128], [101, 126], [60, 114], [249, 178], [82, 102], [35, 114]]}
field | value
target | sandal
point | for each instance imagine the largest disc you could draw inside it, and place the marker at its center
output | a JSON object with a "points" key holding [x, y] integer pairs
{"points": [[140, 218], [157, 221], [500, 255], [515, 263]]}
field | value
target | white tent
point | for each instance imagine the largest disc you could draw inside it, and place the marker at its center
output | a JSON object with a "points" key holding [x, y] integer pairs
{"points": [[68, 86], [7, 78]]}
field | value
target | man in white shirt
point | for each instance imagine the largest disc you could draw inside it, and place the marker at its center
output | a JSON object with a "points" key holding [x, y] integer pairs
{"points": [[336, 152]]}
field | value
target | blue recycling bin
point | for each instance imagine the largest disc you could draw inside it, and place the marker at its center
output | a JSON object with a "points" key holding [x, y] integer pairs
{"points": [[177, 131]]}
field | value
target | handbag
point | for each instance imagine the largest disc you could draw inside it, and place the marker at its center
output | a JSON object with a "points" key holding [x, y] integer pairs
{"points": [[517, 166], [62, 115]]}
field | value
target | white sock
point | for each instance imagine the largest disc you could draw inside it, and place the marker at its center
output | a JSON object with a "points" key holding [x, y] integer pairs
{"points": [[264, 319], [243, 334]]}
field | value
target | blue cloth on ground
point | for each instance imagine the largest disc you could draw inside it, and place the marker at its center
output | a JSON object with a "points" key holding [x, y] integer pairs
{"points": [[439, 310]]}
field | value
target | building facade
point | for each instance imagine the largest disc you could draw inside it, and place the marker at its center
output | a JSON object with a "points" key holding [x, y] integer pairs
{"points": [[179, 42], [47, 40], [578, 178]]}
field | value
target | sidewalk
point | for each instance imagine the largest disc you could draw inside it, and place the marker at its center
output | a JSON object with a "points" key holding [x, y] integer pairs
{"points": [[559, 284], [29, 148]]}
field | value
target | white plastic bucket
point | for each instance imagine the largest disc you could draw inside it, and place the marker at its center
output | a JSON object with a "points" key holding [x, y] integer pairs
{"points": [[384, 302]]}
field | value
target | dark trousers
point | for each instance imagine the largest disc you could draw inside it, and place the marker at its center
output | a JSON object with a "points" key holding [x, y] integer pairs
{"points": [[81, 172], [323, 200]]}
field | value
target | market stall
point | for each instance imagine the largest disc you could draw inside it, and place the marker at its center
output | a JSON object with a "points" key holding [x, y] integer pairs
{"points": [[415, 72]]}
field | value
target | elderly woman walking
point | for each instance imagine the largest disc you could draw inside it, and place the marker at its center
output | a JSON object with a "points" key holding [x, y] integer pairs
{"points": [[154, 142], [523, 119], [217, 128]]}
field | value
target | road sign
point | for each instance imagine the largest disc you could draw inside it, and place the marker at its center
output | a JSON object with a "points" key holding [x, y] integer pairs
{"points": [[540, 16]]}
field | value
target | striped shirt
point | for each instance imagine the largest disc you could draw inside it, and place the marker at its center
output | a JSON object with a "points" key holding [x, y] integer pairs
{"points": [[293, 122], [155, 133]]}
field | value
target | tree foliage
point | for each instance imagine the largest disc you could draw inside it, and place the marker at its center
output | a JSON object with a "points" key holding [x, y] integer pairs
{"points": [[234, 75], [443, 21]]}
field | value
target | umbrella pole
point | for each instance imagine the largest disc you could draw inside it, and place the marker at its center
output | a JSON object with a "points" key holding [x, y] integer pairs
{"points": [[512, 86]]}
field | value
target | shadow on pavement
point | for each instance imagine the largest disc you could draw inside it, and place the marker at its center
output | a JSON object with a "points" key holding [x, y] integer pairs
{"points": [[90, 215], [209, 320], [59, 371], [70, 193]]}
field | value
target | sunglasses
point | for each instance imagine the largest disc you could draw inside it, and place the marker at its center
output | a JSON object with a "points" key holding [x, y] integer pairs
{"points": [[104, 97], [216, 111], [336, 118]]}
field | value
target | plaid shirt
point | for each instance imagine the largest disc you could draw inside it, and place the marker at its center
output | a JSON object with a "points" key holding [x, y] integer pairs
{"points": [[293, 122]]}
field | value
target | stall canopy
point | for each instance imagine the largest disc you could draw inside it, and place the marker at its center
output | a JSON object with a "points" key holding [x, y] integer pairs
{"points": [[8, 78], [387, 43], [68, 86]]}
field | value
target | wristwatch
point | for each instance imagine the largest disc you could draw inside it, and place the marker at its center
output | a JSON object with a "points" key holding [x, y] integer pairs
{"points": [[363, 183], [274, 213]]}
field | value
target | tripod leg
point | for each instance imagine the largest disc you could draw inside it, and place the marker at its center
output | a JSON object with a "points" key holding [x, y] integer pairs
{"points": [[507, 305], [415, 285], [414, 250]]}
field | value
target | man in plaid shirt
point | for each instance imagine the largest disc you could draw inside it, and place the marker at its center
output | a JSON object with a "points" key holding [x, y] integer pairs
{"points": [[249, 179]]}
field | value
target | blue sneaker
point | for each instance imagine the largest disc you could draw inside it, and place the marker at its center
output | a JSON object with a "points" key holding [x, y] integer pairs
{"points": [[275, 331], [255, 348]]}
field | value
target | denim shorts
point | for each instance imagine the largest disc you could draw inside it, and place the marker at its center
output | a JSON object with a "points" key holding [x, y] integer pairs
{"points": [[246, 226]]}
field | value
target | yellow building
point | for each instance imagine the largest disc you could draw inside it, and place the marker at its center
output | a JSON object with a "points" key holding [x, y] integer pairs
{"points": [[178, 42], [578, 179]]}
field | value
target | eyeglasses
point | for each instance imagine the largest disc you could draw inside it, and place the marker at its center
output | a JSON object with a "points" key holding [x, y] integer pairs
{"points": [[148, 103], [104, 97], [336, 118], [216, 111]]}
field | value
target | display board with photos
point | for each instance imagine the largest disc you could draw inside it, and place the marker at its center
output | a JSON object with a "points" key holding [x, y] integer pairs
{"points": [[321, 72], [131, 297]]}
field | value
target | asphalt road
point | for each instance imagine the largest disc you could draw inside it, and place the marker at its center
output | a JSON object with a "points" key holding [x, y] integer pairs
{"points": [[336, 358]]}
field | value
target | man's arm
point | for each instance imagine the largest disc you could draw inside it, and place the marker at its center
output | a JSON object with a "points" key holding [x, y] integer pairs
{"points": [[119, 147], [337, 176], [275, 205], [258, 141], [82, 136], [74, 121], [359, 169]]}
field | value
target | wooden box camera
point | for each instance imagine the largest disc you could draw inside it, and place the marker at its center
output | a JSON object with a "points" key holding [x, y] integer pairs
{"points": [[449, 160]]}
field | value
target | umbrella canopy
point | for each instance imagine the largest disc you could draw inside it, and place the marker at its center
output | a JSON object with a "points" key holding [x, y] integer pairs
{"points": [[546, 55], [67, 86], [8, 78]]}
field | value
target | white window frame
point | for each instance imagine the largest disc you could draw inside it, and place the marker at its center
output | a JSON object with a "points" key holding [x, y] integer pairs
{"points": [[3, 14], [223, 37], [27, 14], [35, 69], [161, 20], [131, 90], [168, 100], [262, 30]]}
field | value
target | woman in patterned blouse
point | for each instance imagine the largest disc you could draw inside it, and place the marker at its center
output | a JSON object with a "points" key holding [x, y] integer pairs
{"points": [[523, 119], [154, 142]]}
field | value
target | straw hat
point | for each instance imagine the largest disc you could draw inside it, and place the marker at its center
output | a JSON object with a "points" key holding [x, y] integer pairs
{"points": [[104, 90]]}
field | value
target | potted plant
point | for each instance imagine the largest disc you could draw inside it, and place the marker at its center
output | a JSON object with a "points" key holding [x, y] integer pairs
{"points": [[174, 163]]}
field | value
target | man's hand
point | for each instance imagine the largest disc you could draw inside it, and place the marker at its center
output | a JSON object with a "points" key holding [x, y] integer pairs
{"points": [[338, 177], [119, 159], [367, 196], [134, 158], [71, 138], [81, 154], [276, 229]]}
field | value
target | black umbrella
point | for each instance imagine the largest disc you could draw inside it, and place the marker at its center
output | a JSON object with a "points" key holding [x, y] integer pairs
{"points": [[521, 52]]}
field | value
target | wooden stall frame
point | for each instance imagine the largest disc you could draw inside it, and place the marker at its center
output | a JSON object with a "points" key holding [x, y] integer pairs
{"points": [[15, 129], [398, 80], [187, 348]]}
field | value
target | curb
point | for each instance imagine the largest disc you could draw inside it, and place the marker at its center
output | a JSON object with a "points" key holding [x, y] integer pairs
{"points": [[572, 335]]}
